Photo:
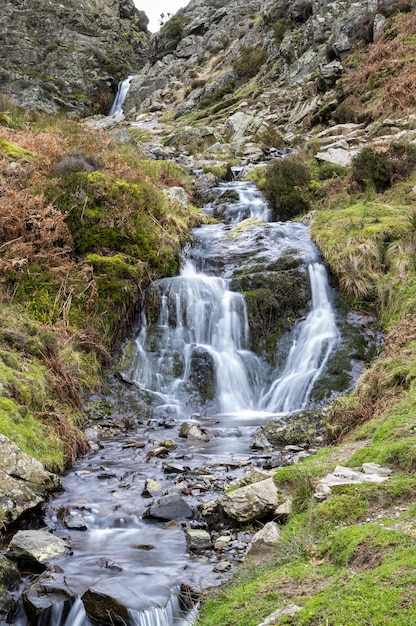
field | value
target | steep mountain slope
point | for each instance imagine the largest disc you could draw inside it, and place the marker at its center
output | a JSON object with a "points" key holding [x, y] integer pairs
{"points": [[68, 56]]}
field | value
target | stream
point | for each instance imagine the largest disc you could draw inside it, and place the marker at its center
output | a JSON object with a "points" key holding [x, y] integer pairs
{"points": [[191, 363]]}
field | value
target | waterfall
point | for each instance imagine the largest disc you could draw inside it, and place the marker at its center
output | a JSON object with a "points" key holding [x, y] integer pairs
{"points": [[313, 342], [191, 361], [122, 91], [199, 314]]}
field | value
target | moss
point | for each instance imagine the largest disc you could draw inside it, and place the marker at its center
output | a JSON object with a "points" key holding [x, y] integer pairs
{"points": [[16, 153]]}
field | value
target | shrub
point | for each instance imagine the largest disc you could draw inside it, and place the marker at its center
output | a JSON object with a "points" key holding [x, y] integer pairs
{"points": [[248, 62], [285, 187], [371, 168]]}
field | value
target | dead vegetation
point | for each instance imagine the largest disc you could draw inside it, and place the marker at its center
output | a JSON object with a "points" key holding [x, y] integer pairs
{"points": [[385, 80]]}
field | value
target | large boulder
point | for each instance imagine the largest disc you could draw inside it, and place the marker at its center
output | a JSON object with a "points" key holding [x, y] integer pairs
{"points": [[45, 592], [24, 483], [170, 507], [252, 502]]}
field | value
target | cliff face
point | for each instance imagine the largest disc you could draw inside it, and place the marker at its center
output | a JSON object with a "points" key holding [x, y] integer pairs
{"points": [[68, 55]]}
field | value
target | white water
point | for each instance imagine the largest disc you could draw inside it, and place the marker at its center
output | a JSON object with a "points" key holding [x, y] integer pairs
{"points": [[122, 91], [313, 343], [199, 312]]}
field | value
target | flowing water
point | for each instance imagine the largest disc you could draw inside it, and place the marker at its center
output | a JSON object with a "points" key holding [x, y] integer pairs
{"points": [[122, 91], [192, 361]]}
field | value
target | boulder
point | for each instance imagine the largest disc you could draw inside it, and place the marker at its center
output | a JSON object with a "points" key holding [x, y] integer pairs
{"points": [[46, 591], [177, 194], [33, 550], [24, 482], [298, 428], [197, 539], [252, 502], [170, 507]]}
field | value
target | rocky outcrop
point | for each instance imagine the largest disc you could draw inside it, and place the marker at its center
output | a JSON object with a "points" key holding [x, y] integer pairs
{"points": [[259, 70], [24, 483], [68, 56]]}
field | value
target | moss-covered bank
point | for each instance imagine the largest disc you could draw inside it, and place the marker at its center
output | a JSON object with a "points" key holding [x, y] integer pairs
{"points": [[84, 228]]}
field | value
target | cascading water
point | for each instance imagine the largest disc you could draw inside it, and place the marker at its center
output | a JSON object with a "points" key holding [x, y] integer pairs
{"points": [[200, 313], [122, 91], [192, 357]]}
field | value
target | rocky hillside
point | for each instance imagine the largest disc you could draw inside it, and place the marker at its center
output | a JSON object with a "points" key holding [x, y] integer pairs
{"points": [[236, 78], [68, 56]]}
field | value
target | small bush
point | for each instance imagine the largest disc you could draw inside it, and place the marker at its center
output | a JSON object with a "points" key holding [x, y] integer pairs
{"points": [[248, 62], [371, 169], [285, 187]]}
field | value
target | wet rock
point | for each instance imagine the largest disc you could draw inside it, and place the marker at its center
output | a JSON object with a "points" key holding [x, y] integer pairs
{"points": [[24, 483], [151, 488], [134, 444], [193, 431], [102, 607], [173, 468], [302, 427], [260, 442], [274, 618], [197, 539], [9, 578], [48, 590], [170, 507], [75, 521], [262, 542], [252, 501], [169, 444], [202, 373], [34, 549], [91, 435], [222, 542], [157, 452]]}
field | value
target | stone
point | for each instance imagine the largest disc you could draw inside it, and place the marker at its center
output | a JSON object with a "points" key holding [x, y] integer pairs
{"points": [[45, 592], [251, 502], [262, 542], [197, 539], [170, 507], [24, 483], [260, 442], [160, 451], [193, 431], [177, 194], [347, 476], [338, 156], [299, 428], [274, 618], [151, 488], [35, 549]]}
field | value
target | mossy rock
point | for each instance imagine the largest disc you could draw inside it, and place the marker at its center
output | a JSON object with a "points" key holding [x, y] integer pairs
{"points": [[299, 428], [271, 309]]}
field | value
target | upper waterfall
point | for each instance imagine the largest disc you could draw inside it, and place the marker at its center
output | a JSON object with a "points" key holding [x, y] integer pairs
{"points": [[122, 91]]}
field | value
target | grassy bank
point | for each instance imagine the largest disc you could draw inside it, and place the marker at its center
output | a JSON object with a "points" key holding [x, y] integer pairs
{"points": [[84, 228]]}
